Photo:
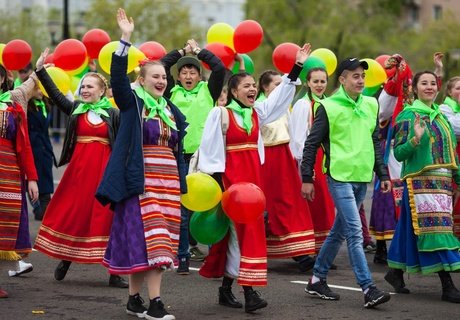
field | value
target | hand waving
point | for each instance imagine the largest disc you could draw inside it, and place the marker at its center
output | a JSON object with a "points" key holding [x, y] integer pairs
{"points": [[419, 127], [126, 25], [41, 60], [303, 54]]}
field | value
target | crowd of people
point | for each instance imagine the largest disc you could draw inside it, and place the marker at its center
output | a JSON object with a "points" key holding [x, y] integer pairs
{"points": [[118, 202]]}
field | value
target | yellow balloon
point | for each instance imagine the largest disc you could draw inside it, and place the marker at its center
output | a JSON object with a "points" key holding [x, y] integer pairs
{"points": [[105, 56], [203, 192], [80, 69], [60, 79], [74, 82], [375, 74], [2, 45], [112, 101], [221, 33], [328, 57]]}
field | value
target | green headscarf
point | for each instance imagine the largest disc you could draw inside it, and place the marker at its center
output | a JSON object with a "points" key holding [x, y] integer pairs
{"points": [[421, 108], [4, 98], [452, 104], [245, 113], [42, 106], [188, 93], [98, 107], [155, 106]]}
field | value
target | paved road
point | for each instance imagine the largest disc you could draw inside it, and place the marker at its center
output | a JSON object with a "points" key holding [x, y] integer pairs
{"points": [[85, 294]]}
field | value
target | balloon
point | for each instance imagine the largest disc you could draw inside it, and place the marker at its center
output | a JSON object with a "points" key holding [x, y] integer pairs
{"points": [[382, 60], [248, 36], [328, 57], [203, 193], [105, 57], [221, 33], [370, 91], [49, 58], [153, 50], [2, 46], [311, 63], [375, 74], [70, 54], [79, 69], [284, 55], [112, 101], [224, 53], [16, 54], [74, 82], [209, 227], [248, 64], [60, 79], [94, 40], [243, 202]]}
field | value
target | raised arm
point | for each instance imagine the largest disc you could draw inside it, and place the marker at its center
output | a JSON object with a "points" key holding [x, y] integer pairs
{"points": [[59, 99], [24, 92]]}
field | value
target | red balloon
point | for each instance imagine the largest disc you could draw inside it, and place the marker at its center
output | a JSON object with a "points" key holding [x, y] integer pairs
{"points": [[283, 56], [70, 54], [49, 58], [94, 40], [224, 53], [248, 36], [243, 202], [16, 54], [153, 50], [381, 60]]}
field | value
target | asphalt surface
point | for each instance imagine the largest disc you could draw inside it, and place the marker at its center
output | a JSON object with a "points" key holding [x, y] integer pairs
{"points": [[85, 294]]}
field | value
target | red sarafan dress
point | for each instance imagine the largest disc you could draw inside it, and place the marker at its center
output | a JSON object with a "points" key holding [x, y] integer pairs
{"points": [[289, 229], [242, 165], [76, 226]]}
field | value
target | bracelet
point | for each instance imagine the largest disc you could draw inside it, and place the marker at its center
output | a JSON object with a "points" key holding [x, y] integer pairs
{"points": [[299, 64], [125, 43], [196, 51], [183, 51]]}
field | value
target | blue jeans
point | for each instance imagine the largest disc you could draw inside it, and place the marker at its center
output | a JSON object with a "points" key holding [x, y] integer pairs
{"points": [[347, 226], [183, 250]]}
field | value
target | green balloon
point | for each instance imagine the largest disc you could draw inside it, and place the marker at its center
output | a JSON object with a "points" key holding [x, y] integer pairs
{"points": [[311, 63], [248, 64], [209, 227], [370, 91]]}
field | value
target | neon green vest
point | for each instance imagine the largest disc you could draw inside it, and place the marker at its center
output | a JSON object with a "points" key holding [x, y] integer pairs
{"points": [[351, 125], [195, 105]]}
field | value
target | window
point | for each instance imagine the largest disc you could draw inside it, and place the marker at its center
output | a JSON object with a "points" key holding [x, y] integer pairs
{"points": [[437, 12]]}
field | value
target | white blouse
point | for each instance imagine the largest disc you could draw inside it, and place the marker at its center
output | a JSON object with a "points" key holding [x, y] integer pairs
{"points": [[212, 150], [454, 118], [299, 126]]}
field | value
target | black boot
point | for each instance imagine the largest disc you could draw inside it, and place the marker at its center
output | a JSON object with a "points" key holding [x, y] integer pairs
{"points": [[118, 282], [380, 256], [226, 298], [253, 301], [396, 279], [61, 270], [449, 291]]}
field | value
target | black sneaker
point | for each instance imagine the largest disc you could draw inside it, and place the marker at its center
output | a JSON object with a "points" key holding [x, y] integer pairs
{"points": [[135, 306], [322, 290], [183, 268], [157, 311], [196, 254], [374, 297]]}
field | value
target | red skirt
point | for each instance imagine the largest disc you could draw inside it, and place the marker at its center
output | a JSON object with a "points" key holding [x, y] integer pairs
{"points": [[76, 226], [322, 207], [289, 229]]}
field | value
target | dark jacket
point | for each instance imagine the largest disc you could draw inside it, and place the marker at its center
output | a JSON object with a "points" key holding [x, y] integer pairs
{"points": [[319, 135], [124, 174], [42, 149], [216, 79], [68, 107]]}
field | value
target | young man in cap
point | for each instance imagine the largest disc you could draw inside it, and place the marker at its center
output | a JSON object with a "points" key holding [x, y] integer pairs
{"points": [[195, 98], [346, 127]]}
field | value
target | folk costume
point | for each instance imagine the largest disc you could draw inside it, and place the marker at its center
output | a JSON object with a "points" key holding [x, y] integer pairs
{"points": [[76, 226], [144, 178], [322, 208], [451, 109], [17, 167], [240, 161]]}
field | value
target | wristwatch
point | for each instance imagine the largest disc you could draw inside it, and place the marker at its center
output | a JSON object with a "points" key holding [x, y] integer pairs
{"points": [[196, 51]]}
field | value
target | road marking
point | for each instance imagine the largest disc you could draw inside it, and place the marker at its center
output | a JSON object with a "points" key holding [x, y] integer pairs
{"points": [[194, 269], [335, 286]]}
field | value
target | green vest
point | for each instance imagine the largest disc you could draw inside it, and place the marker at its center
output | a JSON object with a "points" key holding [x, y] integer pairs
{"points": [[351, 124], [195, 105]]}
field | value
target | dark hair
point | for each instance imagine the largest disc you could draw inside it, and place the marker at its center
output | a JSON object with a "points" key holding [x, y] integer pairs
{"points": [[31, 104], [417, 78], [233, 83], [308, 77], [265, 79], [450, 84], [3, 74]]}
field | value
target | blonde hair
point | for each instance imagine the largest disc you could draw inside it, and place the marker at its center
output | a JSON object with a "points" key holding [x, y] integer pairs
{"points": [[101, 79]]}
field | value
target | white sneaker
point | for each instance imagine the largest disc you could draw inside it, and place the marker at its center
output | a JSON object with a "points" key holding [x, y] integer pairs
{"points": [[24, 267]]}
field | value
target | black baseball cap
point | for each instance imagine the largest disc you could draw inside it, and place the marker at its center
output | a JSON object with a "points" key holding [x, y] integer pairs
{"points": [[188, 61], [351, 64]]}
